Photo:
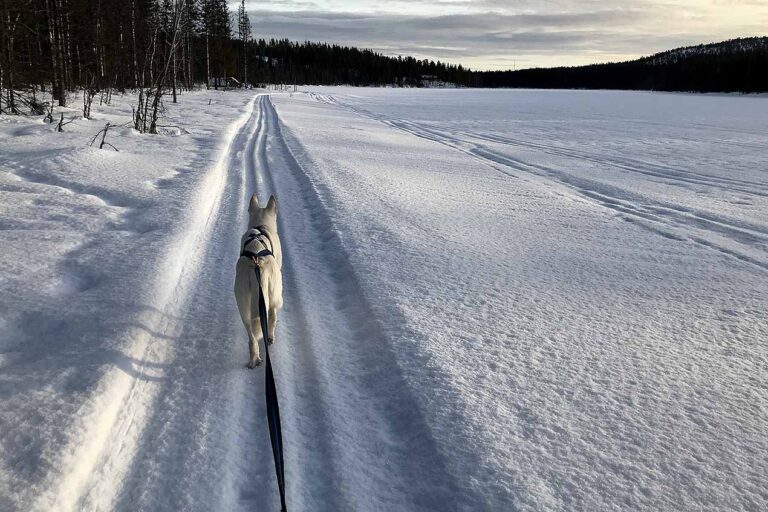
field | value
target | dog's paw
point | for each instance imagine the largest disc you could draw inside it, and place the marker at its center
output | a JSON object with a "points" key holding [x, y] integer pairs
{"points": [[270, 341], [253, 364]]}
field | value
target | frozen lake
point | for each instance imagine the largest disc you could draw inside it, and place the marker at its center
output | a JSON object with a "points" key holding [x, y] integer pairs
{"points": [[494, 300], [585, 273]]}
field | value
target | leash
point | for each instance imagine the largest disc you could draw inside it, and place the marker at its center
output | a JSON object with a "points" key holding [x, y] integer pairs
{"points": [[273, 407]]}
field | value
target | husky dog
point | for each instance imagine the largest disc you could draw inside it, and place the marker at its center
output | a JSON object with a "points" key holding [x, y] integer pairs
{"points": [[260, 247]]}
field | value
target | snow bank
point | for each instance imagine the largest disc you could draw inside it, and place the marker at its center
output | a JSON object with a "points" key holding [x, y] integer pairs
{"points": [[94, 242]]}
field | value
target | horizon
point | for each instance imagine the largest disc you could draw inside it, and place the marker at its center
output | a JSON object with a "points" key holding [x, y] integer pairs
{"points": [[490, 35]]}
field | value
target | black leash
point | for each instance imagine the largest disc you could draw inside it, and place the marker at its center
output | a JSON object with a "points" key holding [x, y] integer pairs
{"points": [[273, 408]]}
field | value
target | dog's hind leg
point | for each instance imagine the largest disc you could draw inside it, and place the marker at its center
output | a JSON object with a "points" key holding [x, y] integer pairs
{"points": [[253, 343], [251, 326], [275, 300], [255, 327], [243, 298], [271, 325]]}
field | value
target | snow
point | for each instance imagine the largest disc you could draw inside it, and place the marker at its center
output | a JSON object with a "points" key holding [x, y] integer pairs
{"points": [[494, 300], [96, 247]]}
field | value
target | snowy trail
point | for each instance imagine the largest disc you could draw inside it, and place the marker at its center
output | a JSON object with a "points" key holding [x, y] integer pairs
{"points": [[187, 408], [198, 446], [166, 416], [186, 429]]}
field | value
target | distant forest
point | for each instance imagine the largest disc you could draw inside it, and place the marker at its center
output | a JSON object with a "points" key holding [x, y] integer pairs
{"points": [[163, 47], [737, 65]]}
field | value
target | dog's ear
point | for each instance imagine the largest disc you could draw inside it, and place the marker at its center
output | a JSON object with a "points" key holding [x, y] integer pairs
{"points": [[272, 204], [254, 204]]}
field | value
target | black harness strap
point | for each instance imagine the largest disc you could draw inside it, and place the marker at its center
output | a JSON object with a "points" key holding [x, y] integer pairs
{"points": [[261, 232], [273, 408]]}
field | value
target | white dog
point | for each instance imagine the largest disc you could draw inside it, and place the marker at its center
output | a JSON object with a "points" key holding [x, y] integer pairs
{"points": [[260, 246]]}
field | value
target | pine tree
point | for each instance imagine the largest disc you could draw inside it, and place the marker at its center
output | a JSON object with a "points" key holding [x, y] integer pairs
{"points": [[244, 34]]}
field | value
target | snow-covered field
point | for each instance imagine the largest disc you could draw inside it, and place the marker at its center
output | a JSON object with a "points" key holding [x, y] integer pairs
{"points": [[495, 300]]}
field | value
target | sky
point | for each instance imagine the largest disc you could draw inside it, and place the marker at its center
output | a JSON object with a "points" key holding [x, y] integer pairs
{"points": [[506, 34]]}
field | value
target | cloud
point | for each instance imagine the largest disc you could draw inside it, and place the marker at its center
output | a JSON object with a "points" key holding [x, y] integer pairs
{"points": [[492, 34]]}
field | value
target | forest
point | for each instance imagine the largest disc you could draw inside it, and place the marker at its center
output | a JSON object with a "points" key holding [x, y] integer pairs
{"points": [[737, 65], [153, 47], [163, 47]]}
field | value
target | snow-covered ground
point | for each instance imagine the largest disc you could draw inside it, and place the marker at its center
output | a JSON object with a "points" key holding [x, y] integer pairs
{"points": [[494, 300]]}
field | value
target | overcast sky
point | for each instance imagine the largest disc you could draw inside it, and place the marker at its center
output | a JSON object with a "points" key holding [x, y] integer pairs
{"points": [[500, 34]]}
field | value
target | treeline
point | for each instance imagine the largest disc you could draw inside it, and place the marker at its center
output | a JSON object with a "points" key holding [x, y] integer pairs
{"points": [[737, 65], [284, 61], [161, 47]]}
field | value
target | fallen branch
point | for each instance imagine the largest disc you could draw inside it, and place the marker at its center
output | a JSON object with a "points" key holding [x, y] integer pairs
{"points": [[103, 133], [62, 124]]}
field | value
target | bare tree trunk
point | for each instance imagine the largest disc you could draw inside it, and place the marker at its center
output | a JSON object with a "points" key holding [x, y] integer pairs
{"points": [[66, 47], [133, 38], [173, 76], [207, 60], [155, 109], [79, 64], [57, 47], [9, 55], [56, 92], [190, 78], [40, 60], [100, 44], [88, 93]]}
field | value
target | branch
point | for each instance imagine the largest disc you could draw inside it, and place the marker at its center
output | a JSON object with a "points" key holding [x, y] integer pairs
{"points": [[103, 133], [62, 124]]}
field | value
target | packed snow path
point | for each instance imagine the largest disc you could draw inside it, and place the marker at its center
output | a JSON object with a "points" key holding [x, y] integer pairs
{"points": [[179, 424], [170, 421], [477, 316]]}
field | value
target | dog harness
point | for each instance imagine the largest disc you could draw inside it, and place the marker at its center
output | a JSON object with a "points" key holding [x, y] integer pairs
{"points": [[258, 233]]}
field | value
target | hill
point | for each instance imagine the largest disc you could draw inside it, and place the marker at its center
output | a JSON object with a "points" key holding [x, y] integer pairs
{"points": [[736, 65]]}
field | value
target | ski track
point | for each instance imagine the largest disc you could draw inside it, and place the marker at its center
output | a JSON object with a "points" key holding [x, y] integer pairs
{"points": [[186, 429], [158, 435], [203, 443], [735, 238]]}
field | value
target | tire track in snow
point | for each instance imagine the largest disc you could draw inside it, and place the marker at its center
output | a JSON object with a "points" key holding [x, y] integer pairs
{"points": [[709, 231], [629, 164], [383, 456]]}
